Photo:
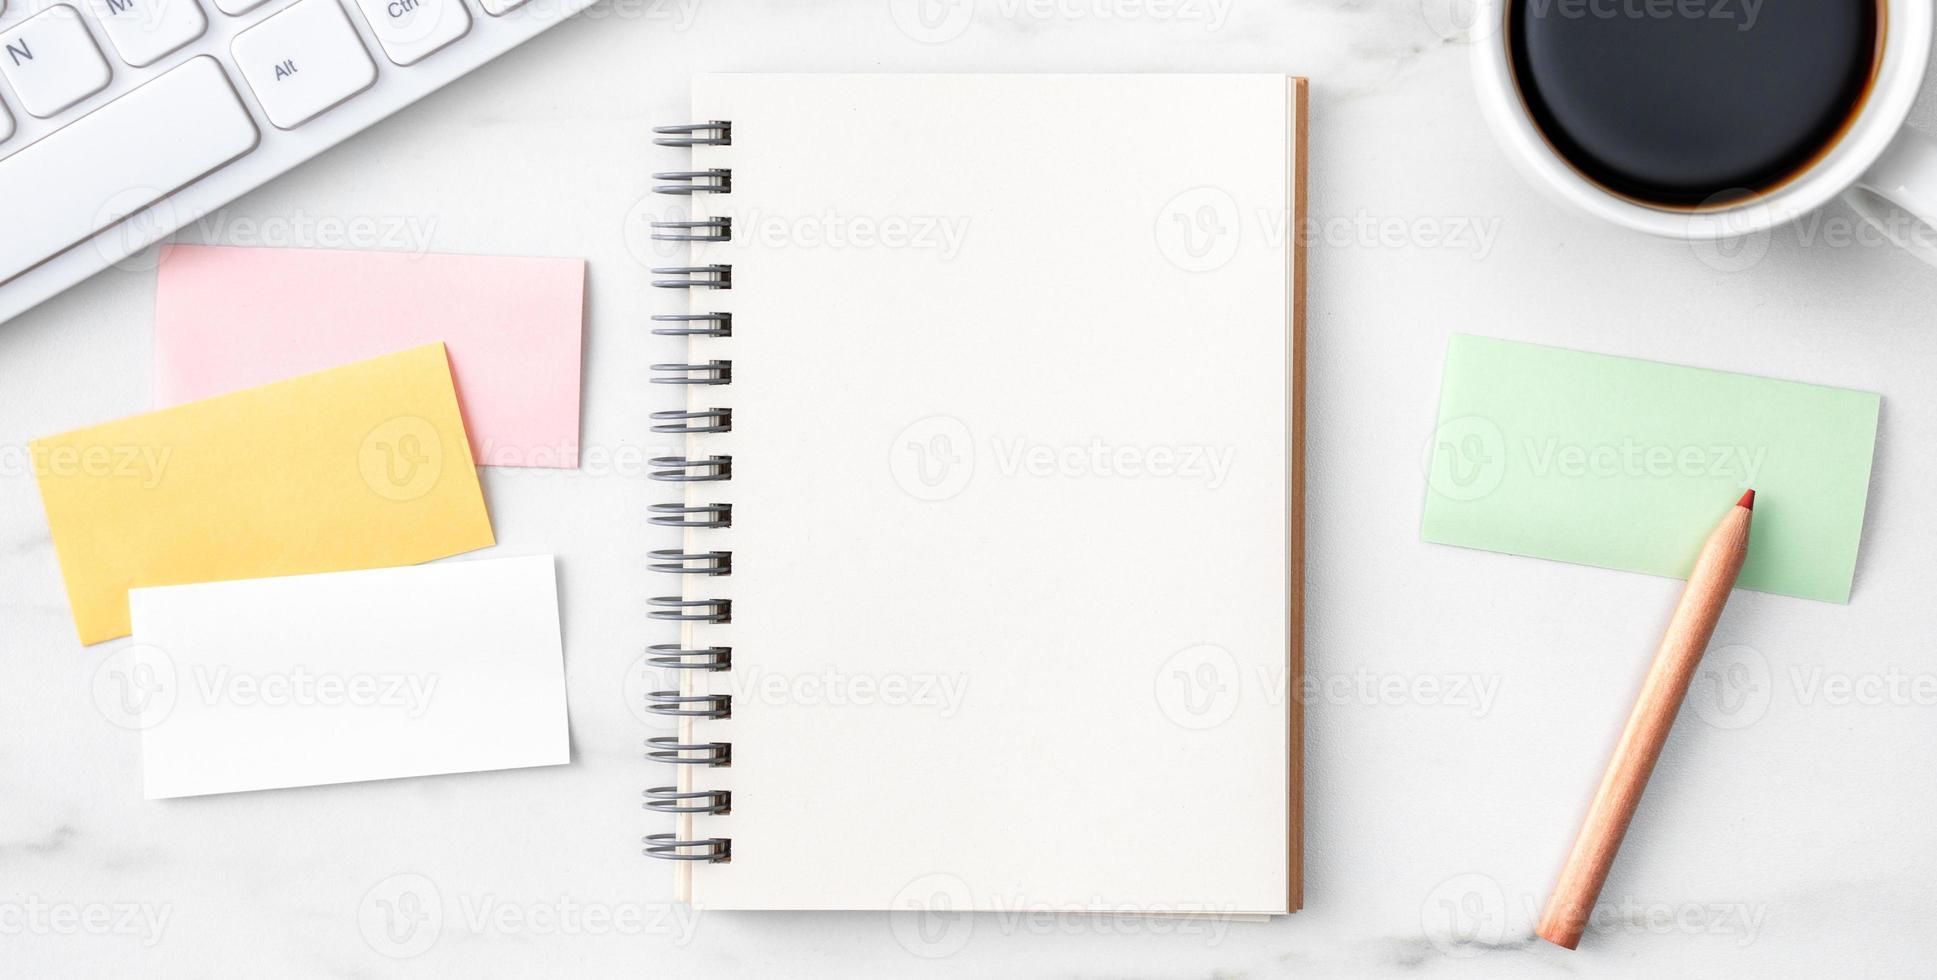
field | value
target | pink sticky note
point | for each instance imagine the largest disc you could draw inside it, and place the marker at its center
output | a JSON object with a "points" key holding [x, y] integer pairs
{"points": [[230, 318]]}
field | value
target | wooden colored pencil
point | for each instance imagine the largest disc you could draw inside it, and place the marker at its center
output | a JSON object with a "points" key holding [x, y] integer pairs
{"points": [[1654, 713]]}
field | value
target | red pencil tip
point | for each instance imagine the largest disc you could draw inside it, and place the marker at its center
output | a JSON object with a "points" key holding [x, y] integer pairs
{"points": [[1748, 500]]}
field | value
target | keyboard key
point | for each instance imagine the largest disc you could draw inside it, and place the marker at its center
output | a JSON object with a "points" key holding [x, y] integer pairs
{"points": [[145, 31], [303, 60], [52, 61], [6, 120], [498, 8], [119, 159], [236, 7], [410, 30]]}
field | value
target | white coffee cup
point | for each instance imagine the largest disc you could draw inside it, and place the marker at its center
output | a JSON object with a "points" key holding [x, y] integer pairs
{"points": [[1876, 162]]}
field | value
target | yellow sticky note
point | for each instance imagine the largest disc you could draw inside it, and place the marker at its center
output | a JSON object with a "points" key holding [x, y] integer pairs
{"points": [[361, 466]]}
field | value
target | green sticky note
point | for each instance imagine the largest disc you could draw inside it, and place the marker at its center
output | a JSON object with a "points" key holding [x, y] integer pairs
{"points": [[1628, 464]]}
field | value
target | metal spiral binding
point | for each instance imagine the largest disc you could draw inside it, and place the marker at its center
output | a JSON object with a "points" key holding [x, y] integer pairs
{"points": [[676, 705], [680, 515], [672, 751], [688, 134], [686, 183], [677, 658], [706, 230], [681, 469], [717, 324], [694, 277], [668, 799], [694, 423], [673, 609], [668, 847], [672, 561], [715, 372]]}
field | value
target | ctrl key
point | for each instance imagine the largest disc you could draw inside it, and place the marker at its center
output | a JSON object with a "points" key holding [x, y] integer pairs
{"points": [[302, 61]]}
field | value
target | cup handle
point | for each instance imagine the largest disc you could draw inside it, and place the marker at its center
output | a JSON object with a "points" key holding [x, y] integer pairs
{"points": [[1906, 177]]}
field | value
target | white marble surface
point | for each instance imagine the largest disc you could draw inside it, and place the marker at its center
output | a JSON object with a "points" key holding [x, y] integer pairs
{"points": [[1786, 833]]}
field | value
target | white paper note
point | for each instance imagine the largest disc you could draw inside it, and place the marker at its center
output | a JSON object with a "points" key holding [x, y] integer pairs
{"points": [[349, 676]]}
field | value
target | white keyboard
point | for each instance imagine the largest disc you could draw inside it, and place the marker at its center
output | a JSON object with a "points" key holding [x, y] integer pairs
{"points": [[122, 120]]}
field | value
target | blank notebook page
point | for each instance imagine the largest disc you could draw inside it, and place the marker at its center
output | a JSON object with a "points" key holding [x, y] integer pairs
{"points": [[1012, 614]]}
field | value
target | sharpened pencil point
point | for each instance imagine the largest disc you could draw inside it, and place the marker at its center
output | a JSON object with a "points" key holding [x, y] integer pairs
{"points": [[1748, 500]]}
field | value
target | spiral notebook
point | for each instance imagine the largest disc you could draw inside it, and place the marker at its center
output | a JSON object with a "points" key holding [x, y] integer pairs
{"points": [[989, 510]]}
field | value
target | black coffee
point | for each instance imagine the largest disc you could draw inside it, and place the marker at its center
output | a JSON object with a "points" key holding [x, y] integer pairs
{"points": [[1691, 102]]}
